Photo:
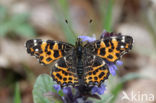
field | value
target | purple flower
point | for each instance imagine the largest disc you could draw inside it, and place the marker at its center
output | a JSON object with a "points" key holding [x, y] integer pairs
{"points": [[112, 67], [57, 87], [100, 90], [87, 38], [107, 34], [67, 91], [119, 63]]}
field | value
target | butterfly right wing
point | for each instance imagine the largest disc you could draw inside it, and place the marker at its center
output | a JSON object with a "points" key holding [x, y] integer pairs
{"points": [[111, 48], [96, 70]]}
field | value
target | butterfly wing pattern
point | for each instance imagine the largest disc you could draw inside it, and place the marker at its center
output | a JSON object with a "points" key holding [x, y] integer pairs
{"points": [[47, 51], [111, 48], [64, 73], [95, 57], [96, 70]]}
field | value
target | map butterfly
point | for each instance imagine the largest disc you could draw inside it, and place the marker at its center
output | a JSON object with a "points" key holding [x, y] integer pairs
{"points": [[82, 63]]}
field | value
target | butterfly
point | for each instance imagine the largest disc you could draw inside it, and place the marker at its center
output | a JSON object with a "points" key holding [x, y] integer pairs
{"points": [[82, 63]]}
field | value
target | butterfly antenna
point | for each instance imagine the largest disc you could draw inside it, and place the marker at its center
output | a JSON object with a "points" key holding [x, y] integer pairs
{"points": [[70, 28], [90, 26], [90, 21]]}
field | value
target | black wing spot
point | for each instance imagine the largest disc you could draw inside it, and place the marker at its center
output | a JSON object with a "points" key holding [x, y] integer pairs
{"points": [[98, 44], [90, 78], [64, 79], [94, 72], [101, 74], [90, 73], [102, 51], [70, 78], [110, 50], [110, 56], [56, 53], [97, 70], [64, 72], [118, 48], [51, 43], [59, 76], [117, 54], [112, 45], [107, 43], [48, 59], [95, 78], [49, 53], [59, 46]]}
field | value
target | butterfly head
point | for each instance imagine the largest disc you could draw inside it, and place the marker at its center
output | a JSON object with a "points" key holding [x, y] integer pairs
{"points": [[79, 47], [78, 42]]}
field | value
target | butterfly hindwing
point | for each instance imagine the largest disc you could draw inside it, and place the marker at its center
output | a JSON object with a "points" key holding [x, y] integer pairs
{"points": [[96, 70], [47, 51], [63, 72], [111, 48]]}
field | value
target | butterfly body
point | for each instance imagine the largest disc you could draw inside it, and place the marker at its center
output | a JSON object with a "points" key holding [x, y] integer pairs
{"points": [[82, 64]]}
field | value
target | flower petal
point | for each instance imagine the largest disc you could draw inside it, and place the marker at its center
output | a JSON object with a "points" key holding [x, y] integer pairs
{"points": [[57, 87], [114, 67], [67, 90], [111, 69], [87, 38], [94, 90], [101, 89], [119, 62]]}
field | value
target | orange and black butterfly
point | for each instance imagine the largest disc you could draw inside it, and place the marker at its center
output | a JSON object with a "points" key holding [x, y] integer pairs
{"points": [[82, 63]]}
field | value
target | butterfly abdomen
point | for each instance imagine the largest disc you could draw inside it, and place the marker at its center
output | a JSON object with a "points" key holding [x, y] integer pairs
{"points": [[79, 63], [80, 69]]}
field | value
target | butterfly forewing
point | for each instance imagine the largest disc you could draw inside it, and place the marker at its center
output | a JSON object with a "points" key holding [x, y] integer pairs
{"points": [[47, 51], [111, 48]]}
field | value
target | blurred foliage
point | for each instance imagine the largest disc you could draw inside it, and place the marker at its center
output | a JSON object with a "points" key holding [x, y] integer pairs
{"points": [[43, 85], [15, 24], [62, 13], [17, 96], [106, 7], [118, 87]]}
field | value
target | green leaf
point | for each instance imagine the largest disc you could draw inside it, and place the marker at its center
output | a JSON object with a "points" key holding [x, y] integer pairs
{"points": [[42, 85], [17, 96]]}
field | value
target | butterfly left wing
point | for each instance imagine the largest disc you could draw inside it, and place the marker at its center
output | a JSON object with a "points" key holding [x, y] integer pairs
{"points": [[47, 51], [96, 70], [111, 48]]}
